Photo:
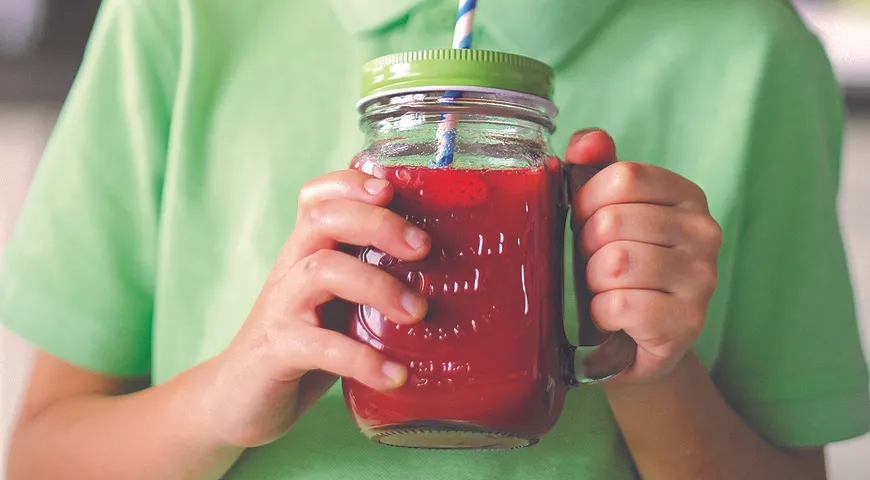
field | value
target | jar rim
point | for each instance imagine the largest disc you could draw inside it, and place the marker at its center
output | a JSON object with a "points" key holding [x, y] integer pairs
{"points": [[524, 98]]}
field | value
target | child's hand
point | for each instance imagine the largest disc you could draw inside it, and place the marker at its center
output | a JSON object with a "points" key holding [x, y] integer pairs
{"points": [[652, 250], [274, 368]]}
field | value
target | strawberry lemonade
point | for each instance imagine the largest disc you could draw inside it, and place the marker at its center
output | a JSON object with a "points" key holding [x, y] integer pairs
{"points": [[483, 355]]}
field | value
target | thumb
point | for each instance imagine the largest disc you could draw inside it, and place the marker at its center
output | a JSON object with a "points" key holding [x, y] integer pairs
{"points": [[590, 146], [589, 150]]}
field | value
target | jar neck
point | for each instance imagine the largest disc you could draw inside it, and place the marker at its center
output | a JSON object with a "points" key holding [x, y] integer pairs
{"points": [[487, 112]]}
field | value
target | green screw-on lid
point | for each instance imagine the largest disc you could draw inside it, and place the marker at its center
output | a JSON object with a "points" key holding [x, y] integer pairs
{"points": [[457, 67]]}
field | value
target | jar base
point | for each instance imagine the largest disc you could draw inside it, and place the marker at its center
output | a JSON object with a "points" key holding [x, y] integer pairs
{"points": [[446, 435]]}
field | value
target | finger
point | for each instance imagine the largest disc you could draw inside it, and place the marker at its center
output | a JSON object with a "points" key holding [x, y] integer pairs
{"points": [[355, 223], [632, 182], [591, 146], [328, 274], [313, 348], [661, 327], [625, 264], [649, 316], [345, 184], [340, 184], [654, 224]]}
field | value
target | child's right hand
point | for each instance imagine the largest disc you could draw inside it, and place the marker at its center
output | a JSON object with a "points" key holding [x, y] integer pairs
{"points": [[284, 358]]}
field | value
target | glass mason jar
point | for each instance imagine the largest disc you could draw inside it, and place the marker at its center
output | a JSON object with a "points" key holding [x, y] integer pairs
{"points": [[490, 364]]}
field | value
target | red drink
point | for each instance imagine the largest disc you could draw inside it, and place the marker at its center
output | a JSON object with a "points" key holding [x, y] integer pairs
{"points": [[484, 366]]}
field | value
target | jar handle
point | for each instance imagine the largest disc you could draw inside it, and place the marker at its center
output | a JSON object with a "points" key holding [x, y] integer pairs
{"points": [[602, 355]]}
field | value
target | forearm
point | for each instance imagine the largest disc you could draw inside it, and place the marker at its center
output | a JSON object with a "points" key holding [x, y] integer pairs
{"points": [[154, 433], [680, 427]]}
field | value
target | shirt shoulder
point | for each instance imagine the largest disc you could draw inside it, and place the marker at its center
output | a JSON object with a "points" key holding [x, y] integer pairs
{"points": [[741, 38], [745, 21]]}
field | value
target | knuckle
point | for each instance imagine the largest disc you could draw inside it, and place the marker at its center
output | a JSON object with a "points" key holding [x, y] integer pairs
{"points": [[627, 176], [709, 231], [328, 351], [610, 308], [307, 191], [381, 282], [308, 348], [618, 302], [382, 220], [607, 266], [607, 222], [318, 213], [696, 193], [278, 342], [616, 261], [315, 264], [706, 276], [365, 359], [715, 233]]}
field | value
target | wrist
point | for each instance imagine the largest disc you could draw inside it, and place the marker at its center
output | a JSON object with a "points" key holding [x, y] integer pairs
{"points": [[194, 406]]}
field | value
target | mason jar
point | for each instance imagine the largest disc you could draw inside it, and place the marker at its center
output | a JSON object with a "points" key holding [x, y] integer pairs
{"points": [[463, 136]]}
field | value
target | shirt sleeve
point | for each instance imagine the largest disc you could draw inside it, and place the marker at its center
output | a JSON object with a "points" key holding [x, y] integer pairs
{"points": [[791, 362], [77, 278]]}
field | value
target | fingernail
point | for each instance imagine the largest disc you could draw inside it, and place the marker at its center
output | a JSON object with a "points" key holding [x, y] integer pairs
{"points": [[416, 238], [395, 373], [375, 185], [581, 134], [414, 304]]}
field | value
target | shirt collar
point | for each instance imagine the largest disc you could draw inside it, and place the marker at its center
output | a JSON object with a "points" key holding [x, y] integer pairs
{"points": [[544, 29], [547, 30]]}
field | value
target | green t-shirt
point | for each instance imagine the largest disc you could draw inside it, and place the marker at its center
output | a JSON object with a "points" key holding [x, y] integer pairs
{"points": [[170, 185]]}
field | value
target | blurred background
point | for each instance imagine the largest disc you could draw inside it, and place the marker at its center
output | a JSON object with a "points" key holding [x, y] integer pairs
{"points": [[41, 44]]}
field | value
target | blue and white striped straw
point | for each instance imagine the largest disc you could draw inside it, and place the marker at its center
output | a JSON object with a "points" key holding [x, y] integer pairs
{"points": [[447, 128], [464, 24]]}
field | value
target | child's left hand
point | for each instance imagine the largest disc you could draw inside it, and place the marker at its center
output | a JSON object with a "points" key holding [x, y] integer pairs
{"points": [[652, 250]]}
